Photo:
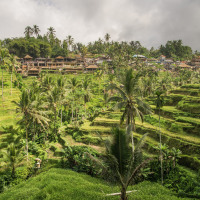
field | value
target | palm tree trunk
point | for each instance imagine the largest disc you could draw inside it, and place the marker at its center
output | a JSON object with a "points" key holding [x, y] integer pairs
{"points": [[55, 120], [13, 170], [2, 82], [72, 110], [11, 83], [132, 129], [85, 111], [61, 115], [161, 156], [26, 143]]}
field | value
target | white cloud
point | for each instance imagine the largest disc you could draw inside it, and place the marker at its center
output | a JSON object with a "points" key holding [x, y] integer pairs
{"points": [[152, 22]]}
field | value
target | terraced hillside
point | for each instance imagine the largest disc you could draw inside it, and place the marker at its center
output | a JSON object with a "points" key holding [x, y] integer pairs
{"points": [[180, 122], [8, 114], [180, 125]]}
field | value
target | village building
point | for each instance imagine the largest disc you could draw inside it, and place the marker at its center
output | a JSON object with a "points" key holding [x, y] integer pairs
{"points": [[195, 62], [33, 72], [92, 68]]}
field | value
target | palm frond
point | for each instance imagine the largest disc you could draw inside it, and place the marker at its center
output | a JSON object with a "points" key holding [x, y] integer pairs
{"points": [[115, 87], [115, 98], [144, 107], [120, 148]]}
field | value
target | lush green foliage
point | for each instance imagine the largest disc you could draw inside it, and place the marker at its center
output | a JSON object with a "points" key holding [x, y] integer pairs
{"points": [[75, 158], [60, 184]]}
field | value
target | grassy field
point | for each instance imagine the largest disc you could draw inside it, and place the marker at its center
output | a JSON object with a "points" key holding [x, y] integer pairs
{"points": [[61, 184]]}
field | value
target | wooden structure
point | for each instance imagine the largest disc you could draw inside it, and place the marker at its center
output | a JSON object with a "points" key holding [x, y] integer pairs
{"points": [[59, 59], [19, 71], [196, 62], [33, 72], [92, 68], [28, 58]]}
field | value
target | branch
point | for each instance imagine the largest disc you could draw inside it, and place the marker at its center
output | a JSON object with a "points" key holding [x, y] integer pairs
{"points": [[119, 193], [137, 168]]}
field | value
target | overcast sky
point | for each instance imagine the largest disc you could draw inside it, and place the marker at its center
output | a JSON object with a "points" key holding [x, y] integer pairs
{"points": [[152, 22]]}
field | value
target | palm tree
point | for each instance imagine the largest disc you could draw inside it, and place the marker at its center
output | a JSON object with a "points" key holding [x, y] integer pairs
{"points": [[107, 37], [159, 104], [36, 30], [12, 156], [51, 31], [28, 32], [4, 60], [70, 41], [84, 51], [54, 100], [73, 84], [86, 91], [122, 164], [11, 66], [30, 113], [128, 100], [51, 35], [62, 90]]}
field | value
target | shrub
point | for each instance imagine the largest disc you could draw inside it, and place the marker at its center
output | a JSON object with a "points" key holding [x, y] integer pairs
{"points": [[74, 158], [177, 178]]}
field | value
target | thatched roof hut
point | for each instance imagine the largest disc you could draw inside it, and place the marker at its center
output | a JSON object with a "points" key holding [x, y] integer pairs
{"points": [[27, 57], [92, 67]]}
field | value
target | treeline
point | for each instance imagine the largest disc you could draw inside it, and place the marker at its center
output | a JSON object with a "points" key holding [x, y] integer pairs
{"points": [[49, 45]]}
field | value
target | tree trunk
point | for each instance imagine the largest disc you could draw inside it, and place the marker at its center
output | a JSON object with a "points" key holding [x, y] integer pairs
{"points": [[61, 115], [161, 156], [72, 110], [11, 83], [55, 120], [2, 82], [26, 143], [13, 171], [123, 194], [132, 129]]}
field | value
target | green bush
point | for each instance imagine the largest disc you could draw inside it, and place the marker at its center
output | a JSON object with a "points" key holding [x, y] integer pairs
{"points": [[177, 178], [7, 180], [75, 158]]}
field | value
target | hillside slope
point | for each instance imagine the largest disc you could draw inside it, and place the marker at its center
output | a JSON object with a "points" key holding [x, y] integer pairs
{"points": [[61, 184]]}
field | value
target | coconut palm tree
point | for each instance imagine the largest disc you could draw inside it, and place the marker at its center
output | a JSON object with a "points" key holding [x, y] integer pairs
{"points": [[73, 85], [36, 30], [4, 61], [11, 67], [51, 31], [84, 51], [133, 106], [30, 113], [12, 156], [62, 91], [28, 32], [121, 164], [53, 98], [159, 104], [86, 91], [51, 35], [107, 37], [70, 41]]}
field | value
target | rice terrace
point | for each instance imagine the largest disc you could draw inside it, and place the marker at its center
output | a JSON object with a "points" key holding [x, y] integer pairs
{"points": [[107, 119]]}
